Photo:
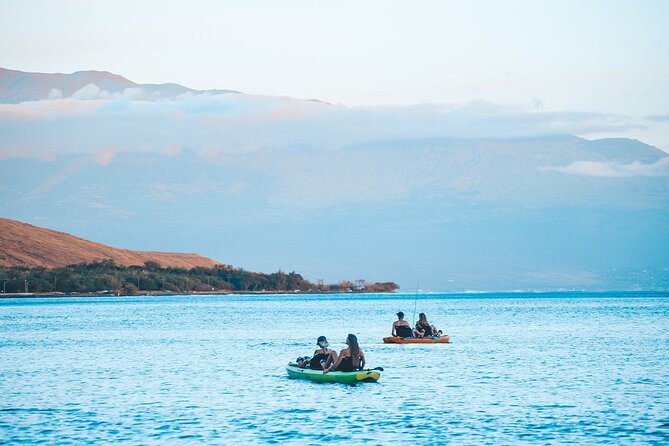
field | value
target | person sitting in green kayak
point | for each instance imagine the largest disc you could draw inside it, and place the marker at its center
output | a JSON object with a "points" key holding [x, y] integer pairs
{"points": [[401, 328], [424, 329], [320, 357], [350, 359]]}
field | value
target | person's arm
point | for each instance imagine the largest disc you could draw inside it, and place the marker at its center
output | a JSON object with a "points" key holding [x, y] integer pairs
{"points": [[331, 359], [393, 332], [335, 364], [362, 360]]}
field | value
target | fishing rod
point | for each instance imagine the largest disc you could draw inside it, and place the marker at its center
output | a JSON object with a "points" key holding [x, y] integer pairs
{"points": [[415, 301]]}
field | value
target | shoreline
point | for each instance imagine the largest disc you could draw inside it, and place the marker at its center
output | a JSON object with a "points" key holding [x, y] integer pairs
{"points": [[464, 294], [180, 293]]}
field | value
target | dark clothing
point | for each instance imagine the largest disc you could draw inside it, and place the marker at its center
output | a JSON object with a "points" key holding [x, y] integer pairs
{"points": [[315, 362], [426, 328], [403, 331], [346, 364]]}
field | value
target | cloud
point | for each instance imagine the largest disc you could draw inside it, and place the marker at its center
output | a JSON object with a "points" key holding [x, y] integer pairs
{"points": [[90, 91], [232, 124], [37, 111], [613, 169]]}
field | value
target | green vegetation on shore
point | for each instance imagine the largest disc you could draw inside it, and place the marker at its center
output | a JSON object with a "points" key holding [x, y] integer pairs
{"points": [[107, 277]]}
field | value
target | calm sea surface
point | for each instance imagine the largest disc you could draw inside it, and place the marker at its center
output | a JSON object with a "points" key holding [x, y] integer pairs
{"points": [[211, 369]]}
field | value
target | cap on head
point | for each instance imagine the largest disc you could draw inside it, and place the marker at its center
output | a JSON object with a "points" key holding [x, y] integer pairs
{"points": [[321, 339], [400, 315]]}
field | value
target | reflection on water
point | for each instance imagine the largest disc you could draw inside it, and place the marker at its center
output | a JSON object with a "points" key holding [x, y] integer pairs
{"points": [[210, 369]]}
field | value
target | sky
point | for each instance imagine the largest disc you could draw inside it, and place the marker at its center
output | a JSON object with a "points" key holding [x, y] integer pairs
{"points": [[608, 57]]}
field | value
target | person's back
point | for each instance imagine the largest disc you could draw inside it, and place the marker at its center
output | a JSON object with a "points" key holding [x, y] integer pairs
{"points": [[425, 329], [346, 364], [403, 331], [320, 356], [401, 328], [350, 359]]}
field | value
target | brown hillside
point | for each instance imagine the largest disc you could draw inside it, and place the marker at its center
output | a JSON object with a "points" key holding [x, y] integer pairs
{"points": [[25, 245]]}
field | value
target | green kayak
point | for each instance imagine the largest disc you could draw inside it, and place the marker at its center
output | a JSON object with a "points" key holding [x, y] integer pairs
{"points": [[361, 376]]}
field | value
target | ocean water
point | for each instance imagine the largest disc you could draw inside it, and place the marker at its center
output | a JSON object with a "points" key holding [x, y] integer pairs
{"points": [[540, 369]]}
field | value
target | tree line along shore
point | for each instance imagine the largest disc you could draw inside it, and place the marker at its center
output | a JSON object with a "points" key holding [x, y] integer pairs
{"points": [[105, 277]]}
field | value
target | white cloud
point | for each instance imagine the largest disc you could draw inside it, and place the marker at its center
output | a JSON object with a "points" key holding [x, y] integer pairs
{"points": [[615, 169], [92, 120], [90, 91], [131, 93]]}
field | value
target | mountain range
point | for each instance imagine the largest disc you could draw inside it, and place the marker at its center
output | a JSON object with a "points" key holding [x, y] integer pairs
{"points": [[475, 196], [19, 86]]}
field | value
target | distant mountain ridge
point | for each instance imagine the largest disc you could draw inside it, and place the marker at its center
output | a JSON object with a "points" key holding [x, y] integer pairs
{"points": [[25, 245], [470, 197], [20, 86]]}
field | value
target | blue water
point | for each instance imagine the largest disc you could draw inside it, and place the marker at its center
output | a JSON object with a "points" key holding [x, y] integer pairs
{"points": [[210, 369]]}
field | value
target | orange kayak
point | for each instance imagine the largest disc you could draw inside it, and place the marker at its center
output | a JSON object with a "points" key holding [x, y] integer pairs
{"points": [[396, 340]]}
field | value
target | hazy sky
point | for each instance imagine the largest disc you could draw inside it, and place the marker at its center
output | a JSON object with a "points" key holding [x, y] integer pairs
{"points": [[596, 56]]}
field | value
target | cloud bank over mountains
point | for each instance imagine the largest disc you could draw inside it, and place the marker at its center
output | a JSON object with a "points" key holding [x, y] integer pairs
{"points": [[466, 196], [93, 118]]}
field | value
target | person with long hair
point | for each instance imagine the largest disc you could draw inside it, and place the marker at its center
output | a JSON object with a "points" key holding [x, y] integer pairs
{"points": [[350, 359], [424, 329]]}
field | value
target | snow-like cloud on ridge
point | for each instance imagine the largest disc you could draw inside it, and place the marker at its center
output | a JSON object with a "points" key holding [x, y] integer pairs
{"points": [[613, 169]]}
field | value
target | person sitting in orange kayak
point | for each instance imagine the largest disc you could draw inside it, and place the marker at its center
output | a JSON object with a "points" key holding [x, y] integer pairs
{"points": [[320, 357], [401, 328], [350, 359], [424, 329]]}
